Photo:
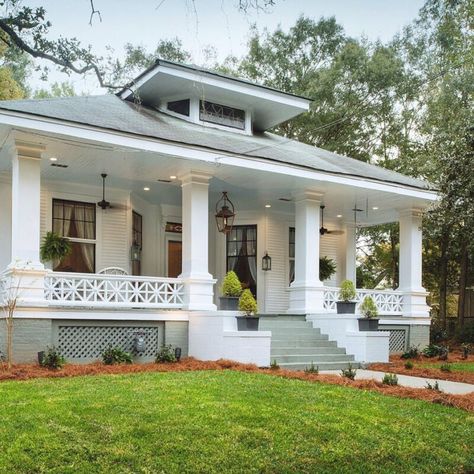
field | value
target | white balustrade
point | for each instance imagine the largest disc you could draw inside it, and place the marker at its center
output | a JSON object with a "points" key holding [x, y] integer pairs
{"points": [[113, 291], [389, 302]]}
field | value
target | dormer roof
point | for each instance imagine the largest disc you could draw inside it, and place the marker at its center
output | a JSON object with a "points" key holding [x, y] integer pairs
{"points": [[166, 79]]}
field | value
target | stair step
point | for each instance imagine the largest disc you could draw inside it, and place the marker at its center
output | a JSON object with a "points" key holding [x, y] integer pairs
{"points": [[287, 325], [303, 342], [307, 350], [289, 331], [283, 317], [315, 358], [334, 365]]}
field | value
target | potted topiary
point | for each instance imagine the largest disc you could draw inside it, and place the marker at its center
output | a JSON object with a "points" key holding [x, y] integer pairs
{"points": [[231, 291], [248, 306], [54, 248], [369, 311], [347, 295]]}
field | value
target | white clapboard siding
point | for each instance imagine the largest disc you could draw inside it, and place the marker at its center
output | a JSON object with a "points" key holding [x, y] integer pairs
{"points": [[330, 246], [114, 237], [45, 212]]}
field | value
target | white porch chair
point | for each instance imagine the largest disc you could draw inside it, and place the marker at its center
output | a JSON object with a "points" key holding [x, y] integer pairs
{"points": [[113, 271]]}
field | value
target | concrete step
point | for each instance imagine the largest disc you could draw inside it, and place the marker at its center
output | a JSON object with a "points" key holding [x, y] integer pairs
{"points": [[287, 324], [307, 350], [315, 358], [283, 317], [334, 365], [303, 342], [290, 331]]}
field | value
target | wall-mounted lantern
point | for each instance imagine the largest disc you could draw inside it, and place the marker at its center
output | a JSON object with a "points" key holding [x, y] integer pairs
{"points": [[135, 252], [266, 262], [224, 214]]}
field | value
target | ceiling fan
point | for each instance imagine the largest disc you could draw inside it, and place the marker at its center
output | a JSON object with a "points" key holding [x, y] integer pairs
{"points": [[104, 204], [323, 229]]}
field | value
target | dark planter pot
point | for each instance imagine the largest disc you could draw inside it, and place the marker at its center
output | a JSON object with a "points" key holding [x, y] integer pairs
{"points": [[40, 357], [229, 303], [346, 307], [247, 323], [368, 324]]}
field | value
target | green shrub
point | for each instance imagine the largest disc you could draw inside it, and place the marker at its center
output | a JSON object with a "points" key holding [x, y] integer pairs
{"points": [[53, 359], [446, 367], [390, 379], [412, 353], [349, 373], [368, 308], [54, 247], [347, 292], [114, 355], [165, 354], [409, 364], [247, 303], [433, 386], [274, 365], [231, 285], [327, 268], [466, 349], [434, 350], [312, 369]]}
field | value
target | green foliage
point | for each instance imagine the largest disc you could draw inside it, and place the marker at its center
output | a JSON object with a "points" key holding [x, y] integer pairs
{"points": [[58, 89], [312, 369], [54, 247], [165, 354], [368, 308], [409, 364], [412, 353], [466, 349], [247, 303], [433, 386], [348, 291], [231, 285], [115, 355], [434, 350], [327, 268], [53, 359], [349, 373], [390, 379], [274, 365], [446, 367]]}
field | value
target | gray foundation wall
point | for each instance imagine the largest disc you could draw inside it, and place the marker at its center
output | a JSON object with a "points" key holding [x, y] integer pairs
{"points": [[419, 336], [176, 334]]}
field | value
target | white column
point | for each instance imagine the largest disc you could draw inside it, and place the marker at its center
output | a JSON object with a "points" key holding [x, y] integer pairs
{"points": [[410, 283], [351, 249], [307, 291], [198, 281], [25, 274]]}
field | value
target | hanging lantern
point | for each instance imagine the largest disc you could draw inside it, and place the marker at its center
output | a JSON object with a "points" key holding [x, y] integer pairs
{"points": [[266, 262], [135, 252], [224, 214]]}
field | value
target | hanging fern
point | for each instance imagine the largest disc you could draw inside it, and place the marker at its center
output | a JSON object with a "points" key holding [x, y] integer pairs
{"points": [[54, 247], [327, 268]]}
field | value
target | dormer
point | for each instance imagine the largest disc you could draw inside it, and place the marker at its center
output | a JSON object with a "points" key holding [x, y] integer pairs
{"points": [[213, 99]]}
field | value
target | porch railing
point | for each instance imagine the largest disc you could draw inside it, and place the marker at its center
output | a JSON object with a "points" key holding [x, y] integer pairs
{"points": [[389, 302], [113, 291]]}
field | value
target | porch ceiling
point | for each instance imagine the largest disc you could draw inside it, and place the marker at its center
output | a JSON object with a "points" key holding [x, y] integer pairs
{"points": [[249, 189]]}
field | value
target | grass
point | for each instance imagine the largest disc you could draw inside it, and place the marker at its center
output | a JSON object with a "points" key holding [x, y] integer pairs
{"points": [[225, 421], [455, 366]]}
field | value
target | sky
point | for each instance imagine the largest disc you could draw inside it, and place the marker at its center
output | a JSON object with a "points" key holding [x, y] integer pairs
{"points": [[202, 23]]}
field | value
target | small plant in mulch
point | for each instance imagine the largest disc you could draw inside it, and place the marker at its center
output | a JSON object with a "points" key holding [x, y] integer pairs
{"points": [[390, 379], [53, 359], [434, 350], [446, 367], [165, 354], [115, 355], [274, 365], [409, 365], [433, 386], [466, 349], [412, 353], [349, 373], [312, 369]]}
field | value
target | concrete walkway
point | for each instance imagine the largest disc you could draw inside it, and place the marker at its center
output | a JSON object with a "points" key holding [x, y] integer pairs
{"points": [[446, 386]]}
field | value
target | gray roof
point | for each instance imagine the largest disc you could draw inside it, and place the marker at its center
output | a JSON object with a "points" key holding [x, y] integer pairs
{"points": [[112, 113]]}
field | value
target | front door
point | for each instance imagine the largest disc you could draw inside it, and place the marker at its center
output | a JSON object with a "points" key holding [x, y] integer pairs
{"points": [[174, 258]]}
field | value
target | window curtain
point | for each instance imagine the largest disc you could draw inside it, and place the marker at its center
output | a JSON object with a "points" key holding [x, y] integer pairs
{"points": [[85, 230]]}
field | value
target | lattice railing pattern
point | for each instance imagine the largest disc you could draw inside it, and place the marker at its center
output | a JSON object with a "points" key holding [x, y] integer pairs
{"points": [[387, 301], [398, 340], [88, 342], [116, 291]]}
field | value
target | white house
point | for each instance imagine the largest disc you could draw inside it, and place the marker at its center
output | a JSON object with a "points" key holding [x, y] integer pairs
{"points": [[170, 144]]}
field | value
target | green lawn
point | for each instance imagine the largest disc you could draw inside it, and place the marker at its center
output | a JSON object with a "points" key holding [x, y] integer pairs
{"points": [[223, 422], [455, 366]]}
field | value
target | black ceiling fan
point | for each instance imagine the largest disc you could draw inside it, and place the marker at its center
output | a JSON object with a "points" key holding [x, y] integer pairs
{"points": [[323, 230], [104, 204]]}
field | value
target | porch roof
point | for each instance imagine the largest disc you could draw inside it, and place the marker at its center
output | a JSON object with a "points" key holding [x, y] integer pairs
{"points": [[112, 113]]}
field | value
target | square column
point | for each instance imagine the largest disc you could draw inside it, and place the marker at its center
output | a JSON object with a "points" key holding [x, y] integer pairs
{"points": [[198, 282], [25, 274], [307, 290], [351, 252], [414, 295]]}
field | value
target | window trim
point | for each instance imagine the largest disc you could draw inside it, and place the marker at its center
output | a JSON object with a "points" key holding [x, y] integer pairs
{"points": [[201, 109]]}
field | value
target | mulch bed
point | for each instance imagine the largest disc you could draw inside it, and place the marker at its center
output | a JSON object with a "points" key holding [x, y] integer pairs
{"points": [[397, 365], [31, 371]]}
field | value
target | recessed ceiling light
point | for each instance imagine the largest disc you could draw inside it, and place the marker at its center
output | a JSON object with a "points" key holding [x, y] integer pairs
{"points": [[268, 205], [339, 216], [172, 176], [375, 208], [53, 158], [146, 188]]}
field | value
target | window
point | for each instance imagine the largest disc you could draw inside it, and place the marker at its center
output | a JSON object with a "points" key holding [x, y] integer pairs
{"points": [[179, 107], [291, 253], [76, 221], [221, 115], [137, 239], [242, 255]]}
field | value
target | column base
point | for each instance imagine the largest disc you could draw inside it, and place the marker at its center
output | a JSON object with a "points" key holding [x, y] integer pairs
{"points": [[26, 285], [414, 304], [305, 299], [199, 294]]}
